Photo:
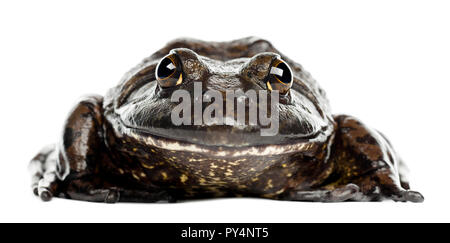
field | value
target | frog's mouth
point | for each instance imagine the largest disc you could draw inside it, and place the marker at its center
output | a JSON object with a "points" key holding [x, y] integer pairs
{"points": [[305, 145], [153, 119]]}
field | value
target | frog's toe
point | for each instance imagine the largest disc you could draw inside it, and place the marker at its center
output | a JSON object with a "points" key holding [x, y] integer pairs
{"points": [[413, 196], [35, 191], [408, 196], [45, 189], [45, 195], [345, 193], [112, 196], [341, 194]]}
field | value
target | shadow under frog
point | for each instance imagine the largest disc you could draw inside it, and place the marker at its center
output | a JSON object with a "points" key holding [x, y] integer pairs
{"points": [[123, 147]]}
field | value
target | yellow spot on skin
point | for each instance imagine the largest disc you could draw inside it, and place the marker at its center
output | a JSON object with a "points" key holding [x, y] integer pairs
{"points": [[147, 166], [152, 150], [123, 141], [252, 169], [234, 163], [269, 183], [284, 165], [134, 149], [229, 172], [180, 79], [143, 174], [279, 191], [121, 171], [183, 178], [164, 174], [269, 87], [289, 175], [135, 176], [211, 173], [201, 180]]}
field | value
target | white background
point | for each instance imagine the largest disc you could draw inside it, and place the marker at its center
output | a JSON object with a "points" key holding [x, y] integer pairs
{"points": [[386, 62]]}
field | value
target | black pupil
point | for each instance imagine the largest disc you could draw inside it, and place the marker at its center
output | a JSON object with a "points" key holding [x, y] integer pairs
{"points": [[286, 76], [166, 68]]}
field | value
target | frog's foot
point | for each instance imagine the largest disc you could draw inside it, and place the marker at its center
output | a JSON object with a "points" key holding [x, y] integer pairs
{"points": [[81, 190], [43, 173], [353, 192], [363, 156], [350, 192], [389, 188], [98, 188], [83, 186], [379, 185]]}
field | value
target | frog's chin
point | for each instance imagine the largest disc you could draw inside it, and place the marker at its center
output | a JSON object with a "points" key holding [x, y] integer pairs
{"points": [[306, 146]]}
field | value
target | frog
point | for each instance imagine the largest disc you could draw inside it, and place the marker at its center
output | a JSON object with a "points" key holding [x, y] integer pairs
{"points": [[125, 147]]}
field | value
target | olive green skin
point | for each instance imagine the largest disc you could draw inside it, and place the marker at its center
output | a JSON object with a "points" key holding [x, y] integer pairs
{"points": [[123, 147]]}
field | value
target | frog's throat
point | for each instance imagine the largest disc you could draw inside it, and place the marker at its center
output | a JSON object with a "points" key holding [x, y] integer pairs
{"points": [[308, 147]]}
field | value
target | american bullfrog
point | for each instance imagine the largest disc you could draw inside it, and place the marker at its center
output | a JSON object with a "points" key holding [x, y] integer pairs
{"points": [[126, 147]]}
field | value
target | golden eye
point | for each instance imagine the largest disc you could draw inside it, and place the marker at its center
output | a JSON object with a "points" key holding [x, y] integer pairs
{"points": [[280, 77], [169, 72]]}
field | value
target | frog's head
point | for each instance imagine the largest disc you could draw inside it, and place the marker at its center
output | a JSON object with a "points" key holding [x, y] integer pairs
{"points": [[144, 102]]}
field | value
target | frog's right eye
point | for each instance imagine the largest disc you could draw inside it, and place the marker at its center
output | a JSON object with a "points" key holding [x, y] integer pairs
{"points": [[169, 71], [280, 77]]}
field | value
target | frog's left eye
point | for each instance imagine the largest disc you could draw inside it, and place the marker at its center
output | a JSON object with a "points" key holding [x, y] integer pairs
{"points": [[280, 77], [169, 71]]}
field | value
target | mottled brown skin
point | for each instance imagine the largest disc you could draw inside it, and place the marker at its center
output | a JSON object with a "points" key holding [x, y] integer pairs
{"points": [[122, 147]]}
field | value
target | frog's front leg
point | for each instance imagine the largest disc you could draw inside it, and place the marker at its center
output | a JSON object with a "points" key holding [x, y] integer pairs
{"points": [[78, 152], [76, 168], [366, 168]]}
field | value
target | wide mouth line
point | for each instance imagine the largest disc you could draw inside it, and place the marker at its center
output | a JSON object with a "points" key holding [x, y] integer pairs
{"points": [[148, 132], [301, 145]]}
